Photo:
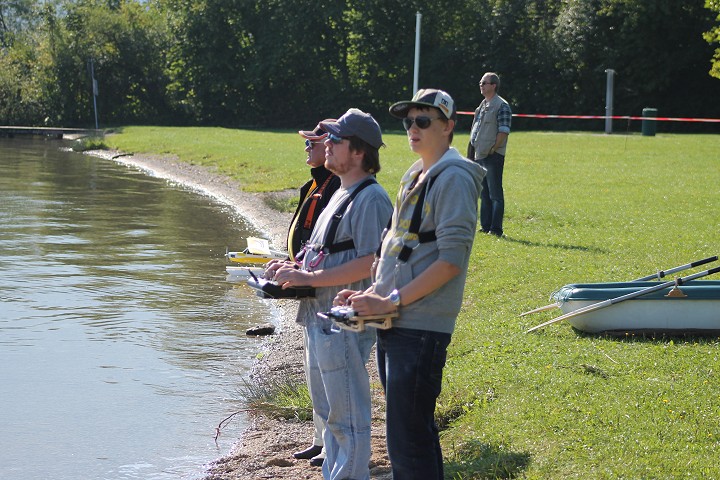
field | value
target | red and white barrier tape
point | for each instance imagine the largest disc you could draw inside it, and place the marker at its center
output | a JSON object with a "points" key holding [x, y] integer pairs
{"points": [[614, 117]]}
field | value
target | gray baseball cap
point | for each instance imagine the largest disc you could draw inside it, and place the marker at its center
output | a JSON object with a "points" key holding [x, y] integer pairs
{"points": [[356, 123]]}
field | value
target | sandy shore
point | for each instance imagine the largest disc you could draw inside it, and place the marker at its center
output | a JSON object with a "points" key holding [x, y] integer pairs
{"points": [[265, 448]]}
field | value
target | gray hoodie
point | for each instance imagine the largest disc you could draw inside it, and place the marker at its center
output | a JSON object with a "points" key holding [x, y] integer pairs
{"points": [[451, 211]]}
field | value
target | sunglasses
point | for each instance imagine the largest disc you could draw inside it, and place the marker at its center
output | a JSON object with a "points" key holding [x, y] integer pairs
{"points": [[486, 83], [421, 121], [334, 138], [310, 143]]}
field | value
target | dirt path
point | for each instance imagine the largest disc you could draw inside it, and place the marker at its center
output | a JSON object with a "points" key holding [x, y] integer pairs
{"points": [[264, 450]]}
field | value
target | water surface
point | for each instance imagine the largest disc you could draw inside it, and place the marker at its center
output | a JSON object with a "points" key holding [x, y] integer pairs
{"points": [[122, 346]]}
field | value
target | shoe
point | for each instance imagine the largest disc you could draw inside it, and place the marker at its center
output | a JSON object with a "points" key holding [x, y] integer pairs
{"points": [[496, 233], [308, 453], [317, 461], [482, 230]]}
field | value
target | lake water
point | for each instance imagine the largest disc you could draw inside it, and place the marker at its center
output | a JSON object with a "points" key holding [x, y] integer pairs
{"points": [[122, 346]]}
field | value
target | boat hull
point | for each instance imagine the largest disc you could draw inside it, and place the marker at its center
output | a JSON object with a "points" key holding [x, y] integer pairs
{"points": [[240, 274], [697, 311], [248, 258]]}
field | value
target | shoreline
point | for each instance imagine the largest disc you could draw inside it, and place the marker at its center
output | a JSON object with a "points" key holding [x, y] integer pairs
{"points": [[264, 449]]}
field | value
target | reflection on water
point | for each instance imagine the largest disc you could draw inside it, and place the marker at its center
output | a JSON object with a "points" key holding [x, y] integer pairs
{"points": [[121, 343]]}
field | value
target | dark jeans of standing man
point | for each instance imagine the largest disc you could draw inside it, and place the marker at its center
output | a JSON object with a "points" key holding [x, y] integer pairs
{"points": [[492, 198], [410, 364]]}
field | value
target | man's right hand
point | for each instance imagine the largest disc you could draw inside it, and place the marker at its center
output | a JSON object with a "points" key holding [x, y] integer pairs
{"points": [[343, 297], [273, 266]]}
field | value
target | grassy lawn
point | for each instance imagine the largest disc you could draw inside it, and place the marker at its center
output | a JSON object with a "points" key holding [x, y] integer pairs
{"points": [[556, 403]]}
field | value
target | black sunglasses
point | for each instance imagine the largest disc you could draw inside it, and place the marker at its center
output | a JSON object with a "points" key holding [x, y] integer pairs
{"points": [[334, 138], [421, 121], [310, 143]]}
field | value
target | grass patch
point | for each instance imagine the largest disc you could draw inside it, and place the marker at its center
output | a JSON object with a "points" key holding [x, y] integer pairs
{"points": [[89, 143], [477, 460], [278, 398], [281, 204], [579, 208]]}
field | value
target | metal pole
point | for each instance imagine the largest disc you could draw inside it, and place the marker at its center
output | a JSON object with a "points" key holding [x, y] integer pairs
{"points": [[94, 91], [609, 99], [418, 17]]}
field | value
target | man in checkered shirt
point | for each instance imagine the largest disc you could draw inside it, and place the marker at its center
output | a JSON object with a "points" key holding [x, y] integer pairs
{"points": [[488, 140]]}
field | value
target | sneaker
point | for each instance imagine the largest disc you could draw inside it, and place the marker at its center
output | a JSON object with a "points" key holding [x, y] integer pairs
{"points": [[308, 453], [318, 460]]}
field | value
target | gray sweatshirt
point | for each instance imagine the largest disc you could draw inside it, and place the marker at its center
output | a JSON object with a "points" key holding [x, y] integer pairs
{"points": [[451, 211]]}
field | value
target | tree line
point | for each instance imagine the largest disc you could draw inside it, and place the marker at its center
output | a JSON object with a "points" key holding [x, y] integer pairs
{"points": [[284, 63]]}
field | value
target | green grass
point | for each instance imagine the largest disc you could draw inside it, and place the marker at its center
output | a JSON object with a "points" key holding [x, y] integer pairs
{"points": [[553, 404], [261, 160], [286, 398]]}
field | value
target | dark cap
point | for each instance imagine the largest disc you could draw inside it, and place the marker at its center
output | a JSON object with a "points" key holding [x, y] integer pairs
{"points": [[318, 133], [356, 123], [427, 97]]}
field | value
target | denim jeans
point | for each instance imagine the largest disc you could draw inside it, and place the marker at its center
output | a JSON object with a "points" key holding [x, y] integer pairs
{"points": [[340, 391], [492, 197], [318, 422], [410, 364]]}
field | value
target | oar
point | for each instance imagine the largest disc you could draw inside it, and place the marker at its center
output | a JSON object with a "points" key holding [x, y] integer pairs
{"points": [[658, 275], [541, 309], [622, 298], [662, 273]]}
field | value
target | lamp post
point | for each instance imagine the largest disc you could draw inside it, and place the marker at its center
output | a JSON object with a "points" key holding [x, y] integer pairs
{"points": [[609, 99], [418, 17], [94, 91]]}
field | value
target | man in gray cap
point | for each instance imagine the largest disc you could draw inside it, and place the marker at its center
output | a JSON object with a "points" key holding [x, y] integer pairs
{"points": [[420, 275], [339, 255]]}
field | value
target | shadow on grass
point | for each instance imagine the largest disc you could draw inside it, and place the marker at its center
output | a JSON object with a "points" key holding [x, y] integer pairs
{"points": [[656, 336], [476, 460], [554, 245]]}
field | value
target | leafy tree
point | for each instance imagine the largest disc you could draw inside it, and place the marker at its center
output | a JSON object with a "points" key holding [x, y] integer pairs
{"points": [[207, 61], [301, 64], [712, 36], [657, 49], [126, 42], [283, 63], [23, 94], [16, 18]]}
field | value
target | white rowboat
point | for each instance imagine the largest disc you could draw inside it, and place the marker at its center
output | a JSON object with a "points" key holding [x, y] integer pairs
{"points": [[693, 307]]}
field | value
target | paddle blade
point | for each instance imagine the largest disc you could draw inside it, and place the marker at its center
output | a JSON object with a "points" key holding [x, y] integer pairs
{"points": [[541, 309]]}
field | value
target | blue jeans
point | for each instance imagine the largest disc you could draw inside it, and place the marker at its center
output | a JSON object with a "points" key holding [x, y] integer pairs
{"points": [[340, 391], [492, 197], [410, 364]]}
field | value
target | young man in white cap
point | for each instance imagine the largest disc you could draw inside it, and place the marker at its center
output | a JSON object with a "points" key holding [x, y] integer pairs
{"points": [[339, 255], [421, 274]]}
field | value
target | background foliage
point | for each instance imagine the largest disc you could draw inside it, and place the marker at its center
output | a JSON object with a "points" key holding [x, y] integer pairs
{"points": [[282, 63]]}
